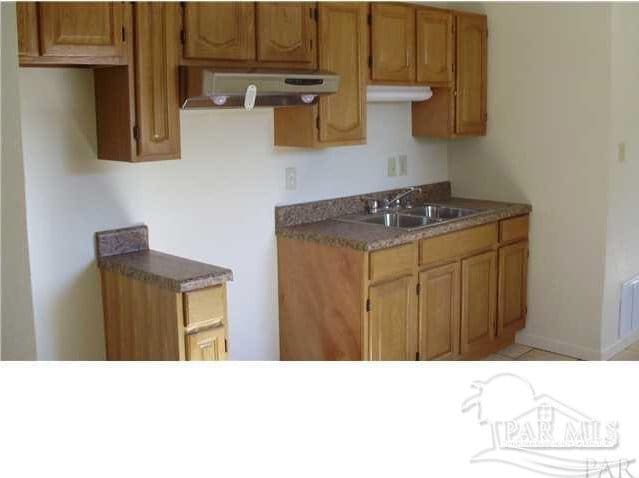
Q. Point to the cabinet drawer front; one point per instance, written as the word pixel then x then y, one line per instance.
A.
pixel 207 345
pixel 205 305
pixel 392 262
pixel 513 229
pixel 457 244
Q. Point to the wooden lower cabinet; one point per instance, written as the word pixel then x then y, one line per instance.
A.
pixel 456 296
pixel 439 312
pixel 392 320
pixel 144 321
pixel 207 345
pixel 478 302
pixel 513 273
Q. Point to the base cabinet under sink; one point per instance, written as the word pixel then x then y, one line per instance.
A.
pixel 460 295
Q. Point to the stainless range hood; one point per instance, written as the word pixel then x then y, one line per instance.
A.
pixel 210 88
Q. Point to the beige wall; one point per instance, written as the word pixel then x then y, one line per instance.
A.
pixel 547 144
pixel 18 341
pixel 214 205
pixel 622 251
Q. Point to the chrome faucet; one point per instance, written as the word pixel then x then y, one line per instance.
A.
pixel 396 201
pixel 374 205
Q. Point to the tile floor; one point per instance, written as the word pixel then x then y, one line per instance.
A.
pixel 523 352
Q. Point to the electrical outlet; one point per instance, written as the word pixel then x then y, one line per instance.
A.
pixel 291 179
pixel 392 166
pixel 403 164
pixel 621 152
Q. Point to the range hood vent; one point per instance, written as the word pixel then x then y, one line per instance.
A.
pixel 397 94
pixel 209 88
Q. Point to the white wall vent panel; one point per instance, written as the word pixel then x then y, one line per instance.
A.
pixel 629 307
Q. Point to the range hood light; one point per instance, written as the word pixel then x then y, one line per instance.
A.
pixel 219 100
pixel 308 99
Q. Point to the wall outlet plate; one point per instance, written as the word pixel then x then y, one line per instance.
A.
pixel 392 166
pixel 403 164
pixel 291 179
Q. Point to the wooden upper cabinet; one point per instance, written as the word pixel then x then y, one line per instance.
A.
pixel 439 313
pixel 435 49
pixel 286 33
pixel 478 303
pixel 393 43
pixel 27 19
pixel 513 271
pixel 82 29
pixel 219 30
pixel 340 118
pixel 156 80
pixel 392 325
pixel 470 109
pixel 343 50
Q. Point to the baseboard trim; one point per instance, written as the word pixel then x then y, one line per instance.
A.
pixel 619 346
pixel 557 346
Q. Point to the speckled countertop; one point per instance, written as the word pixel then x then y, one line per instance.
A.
pixel 126 252
pixel 370 237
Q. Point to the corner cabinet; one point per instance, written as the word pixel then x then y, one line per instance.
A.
pixel 137 108
pixel 338 119
pixel 459 109
pixel 157 129
pixel 461 295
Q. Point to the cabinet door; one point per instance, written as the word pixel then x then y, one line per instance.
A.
pixel 219 31
pixel 156 80
pixel 439 313
pixel 479 294
pixel 207 345
pixel 86 29
pixel 513 271
pixel 393 43
pixel 343 49
pixel 27 19
pixel 434 47
pixel 392 323
pixel 286 32
pixel 471 75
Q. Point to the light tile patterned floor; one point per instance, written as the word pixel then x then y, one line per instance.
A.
pixel 523 352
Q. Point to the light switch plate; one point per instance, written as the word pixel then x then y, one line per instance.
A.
pixel 392 166
pixel 403 165
pixel 291 179
pixel 621 152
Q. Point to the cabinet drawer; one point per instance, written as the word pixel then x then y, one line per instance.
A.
pixel 457 244
pixel 513 229
pixel 392 262
pixel 209 344
pixel 205 305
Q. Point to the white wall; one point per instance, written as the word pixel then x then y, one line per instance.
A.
pixel 215 205
pixel 547 144
pixel 18 341
pixel 622 251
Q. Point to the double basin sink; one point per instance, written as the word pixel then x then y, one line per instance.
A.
pixel 415 217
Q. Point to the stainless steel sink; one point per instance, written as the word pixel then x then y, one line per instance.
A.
pixel 437 212
pixel 414 218
pixel 404 221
